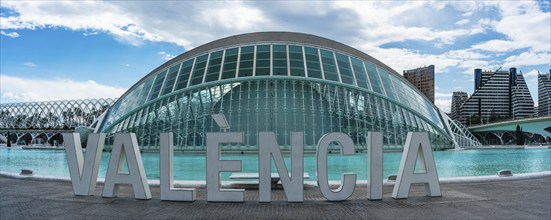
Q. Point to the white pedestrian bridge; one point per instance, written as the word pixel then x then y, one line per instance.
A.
pixel 533 128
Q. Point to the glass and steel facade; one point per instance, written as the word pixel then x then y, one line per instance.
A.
pixel 274 81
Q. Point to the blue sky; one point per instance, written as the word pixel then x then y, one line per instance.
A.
pixel 73 50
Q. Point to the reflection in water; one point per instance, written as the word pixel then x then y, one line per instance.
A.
pixel 192 166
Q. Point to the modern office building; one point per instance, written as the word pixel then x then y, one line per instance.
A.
pixel 458 98
pixel 279 82
pixel 498 95
pixel 544 94
pixel 423 79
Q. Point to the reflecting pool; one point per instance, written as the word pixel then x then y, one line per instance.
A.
pixel 192 166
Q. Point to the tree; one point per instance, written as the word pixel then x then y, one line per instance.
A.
pixel 8 140
pixel 519 136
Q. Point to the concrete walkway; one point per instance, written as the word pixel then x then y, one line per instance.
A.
pixel 512 199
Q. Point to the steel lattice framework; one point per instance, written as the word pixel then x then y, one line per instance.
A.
pixel 462 135
pixel 64 114
pixel 280 82
pixel 28 120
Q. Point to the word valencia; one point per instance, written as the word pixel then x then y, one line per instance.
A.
pixel 84 168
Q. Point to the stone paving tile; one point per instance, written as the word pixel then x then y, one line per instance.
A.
pixel 519 199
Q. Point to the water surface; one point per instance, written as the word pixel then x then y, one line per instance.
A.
pixel 192 166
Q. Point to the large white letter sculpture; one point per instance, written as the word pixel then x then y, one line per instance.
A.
pixel 294 184
pixel 126 146
pixel 406 172
pixel 215 166
pixel 168 192
pixel 348 184
pixel 375 165
pixel 84 172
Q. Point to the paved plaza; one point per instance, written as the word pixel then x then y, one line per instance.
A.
pixel 513 199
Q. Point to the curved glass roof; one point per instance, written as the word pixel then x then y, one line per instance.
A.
pixel 276 55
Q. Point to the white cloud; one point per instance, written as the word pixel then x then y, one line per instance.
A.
pixel 468 66
pixel 528 58
pixel 90 33
pixel 443 101
pixel 243 17
pixel 29 64
pixel 11 34
pixel 532 73
pixel 367 25
pixel 467 14
pixel 52 89
pixel 385 22
pixel 166 56
pixel 403 59
pixel 497 46
pixel 524 24
pixel 531 78
pixel 189 24
pixel 185 23
pixel 443 95
pixel 466 54
pixel 443 104
pixel 467 7
pixel 462 22
pixel 96 16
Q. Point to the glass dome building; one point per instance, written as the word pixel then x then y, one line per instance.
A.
pixel 280 82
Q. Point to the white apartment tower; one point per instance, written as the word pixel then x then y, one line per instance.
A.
pixel 499 94
pixel 458 98
pixel 544 94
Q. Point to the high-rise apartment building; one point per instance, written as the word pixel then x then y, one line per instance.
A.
pixel 523 104
pixel 498 95
pixel 480 77
pixel 458 98
pixel 423 79
pixel 544 94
